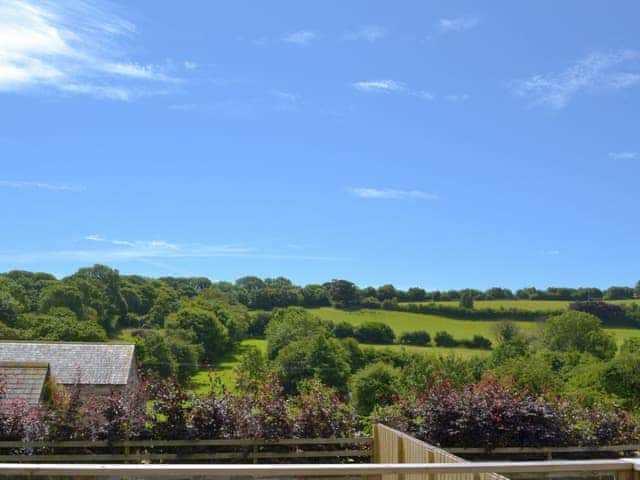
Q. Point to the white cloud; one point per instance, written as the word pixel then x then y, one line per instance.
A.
pixel 592 73
pixel 40 185
pixel 390 193
pixel 147 250
pixel 189 65
pixel 624 155
pixel 457 98
pixel 457 24
pixel 286 96
pixel 370 33
pixel 74 48
pixel 94 237
pixel 301 37
pixel 384 86
pixel 424 95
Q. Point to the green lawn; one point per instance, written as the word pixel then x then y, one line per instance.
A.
pixel 460 352
pixel 225 368
pixel 537 305
pixel 406 322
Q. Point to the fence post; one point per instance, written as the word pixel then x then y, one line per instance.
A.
pixel 255 451
pixel 375 449
pixel 401 456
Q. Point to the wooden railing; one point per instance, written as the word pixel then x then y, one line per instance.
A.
pixel 392 446
pixel 622 469
pixel 180 451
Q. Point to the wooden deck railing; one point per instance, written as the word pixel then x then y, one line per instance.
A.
pixel 182 451
pixel 622 469
pixel 392 446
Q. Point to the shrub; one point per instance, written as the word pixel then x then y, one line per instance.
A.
pixel 445 339
pixel 608 313
pixel 578 331
pixel 318 412
pixel 466 301
pixel 487 414
pixel 376 384
pixel 374 332
pixel 343 330
pixel 258 324
pixel 370 302
pixel 320 356
pixel 289 325
pixel 478 341
pixel 419 337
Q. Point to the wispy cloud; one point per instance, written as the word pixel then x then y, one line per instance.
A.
pixel 624 155
pixel 596 72
pixel 40 186
pixel 370 33
pixel 457 24
pixel 456 97
pixel 394 86
pixel 74 47
pixel 102 249
pixel 551 253
pixel 380 86
pixel 390 194
pixel 301 37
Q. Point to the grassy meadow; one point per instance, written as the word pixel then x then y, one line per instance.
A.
pixel 405 322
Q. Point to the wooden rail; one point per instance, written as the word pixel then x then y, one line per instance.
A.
pixel 625 468
pixel 392 446
pixel 177 451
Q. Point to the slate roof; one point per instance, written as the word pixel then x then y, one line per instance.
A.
pixel 23 380
pixel 75 363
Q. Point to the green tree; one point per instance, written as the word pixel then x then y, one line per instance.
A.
pixel 62 295
pixel 289 325
pixel 466 300
pixel 376 384
pixel 578 331
pixel 343 294
pixel 8 308
pixel 61 324
pixel 618 293
pixel 374 332
pixel 620 377
pixel 206 326
pixel 320 356
pixel 315 296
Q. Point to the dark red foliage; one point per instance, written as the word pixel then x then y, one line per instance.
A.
pixel 493 415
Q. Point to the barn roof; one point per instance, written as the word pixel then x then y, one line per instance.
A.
pixel 75 363
pixel 23 381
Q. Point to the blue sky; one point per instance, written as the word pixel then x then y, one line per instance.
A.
pixel 441 144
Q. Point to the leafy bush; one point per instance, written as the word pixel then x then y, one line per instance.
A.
pixel 258 324
pixel 320 356
pixel 419 337
pixel 445 339
pixel 343 330
pixel 370 302
pixel 608 313
pixel 289 325
pixel 578 331
pixel 374 332
pixel 478 341
pixel 376 384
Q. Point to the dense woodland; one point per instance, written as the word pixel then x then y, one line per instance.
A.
pixel 567 382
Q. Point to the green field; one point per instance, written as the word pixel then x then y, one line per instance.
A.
pixel 407 322
pixel 400 322
pixel 536 305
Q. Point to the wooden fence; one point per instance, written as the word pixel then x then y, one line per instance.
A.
pixel 392 446
pixel 189 451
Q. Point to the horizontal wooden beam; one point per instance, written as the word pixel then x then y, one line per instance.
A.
pixel 315 469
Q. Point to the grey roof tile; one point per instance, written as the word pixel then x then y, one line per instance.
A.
pixel 75 363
